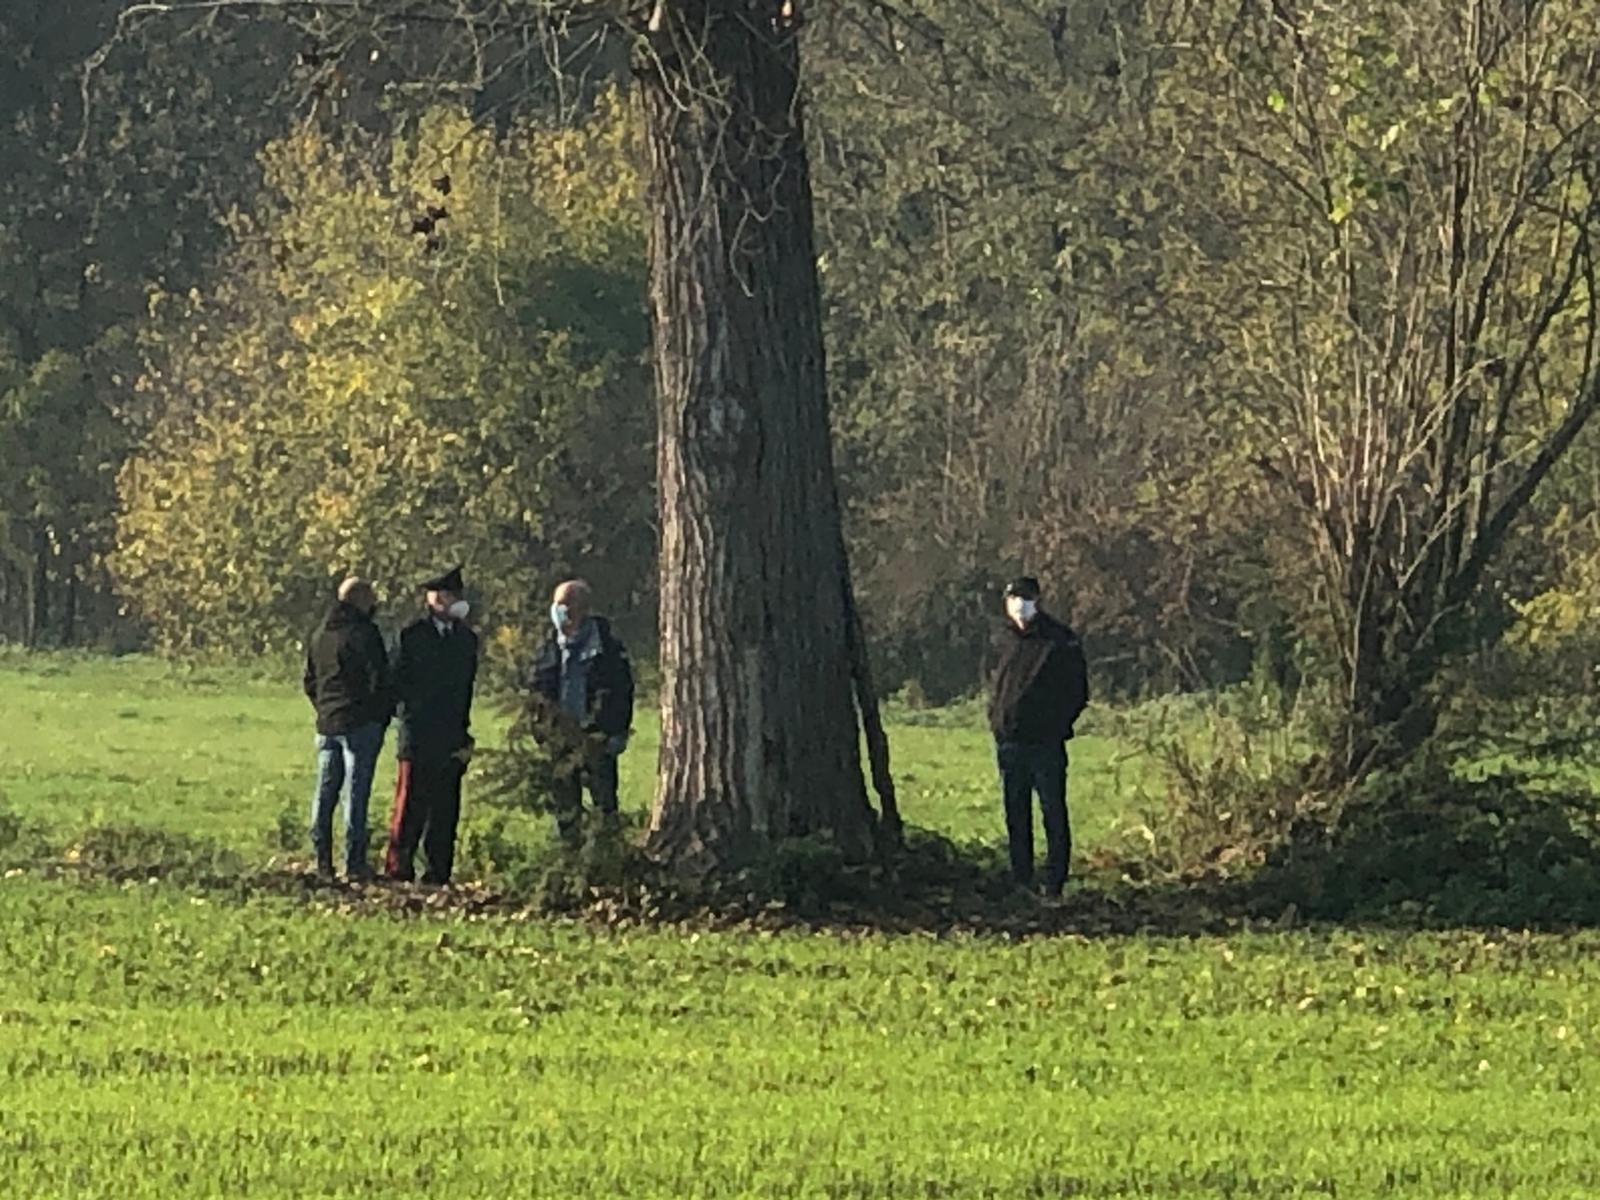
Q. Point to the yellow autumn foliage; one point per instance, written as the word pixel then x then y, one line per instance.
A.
pixel 351 395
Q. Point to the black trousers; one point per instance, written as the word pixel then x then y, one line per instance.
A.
pixel 1024 772
pixel 427 809
pixel 600 777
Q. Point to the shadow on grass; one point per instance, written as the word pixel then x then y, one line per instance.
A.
pixel 1502 849
pixel 929 886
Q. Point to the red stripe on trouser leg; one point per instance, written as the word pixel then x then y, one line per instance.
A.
pixel 402 794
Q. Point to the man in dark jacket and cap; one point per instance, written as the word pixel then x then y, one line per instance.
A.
pixel 436 669
pixel 585 683
pixel 1040 686
pixel 347 682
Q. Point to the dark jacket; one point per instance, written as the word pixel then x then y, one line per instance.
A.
pixel 434 676
pixel 1040 685
pixel 347 672
pixel 610 708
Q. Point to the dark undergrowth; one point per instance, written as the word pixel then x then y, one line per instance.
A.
pixel 1489 855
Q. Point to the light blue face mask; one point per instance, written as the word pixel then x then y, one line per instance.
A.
pixel 559 615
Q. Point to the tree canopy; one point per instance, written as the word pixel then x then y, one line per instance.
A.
pixel 429 351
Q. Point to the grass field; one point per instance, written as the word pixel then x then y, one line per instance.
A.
pixel 161 1040
pixel 222 754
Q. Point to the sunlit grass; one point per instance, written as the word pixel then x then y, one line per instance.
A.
pixel 221 753
pixel 157 1041
pixel 154 1044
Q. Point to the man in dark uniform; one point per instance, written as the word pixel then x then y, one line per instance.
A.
pixel 1040 687
pixel 347 682
pixel 585 682
pixel 436 667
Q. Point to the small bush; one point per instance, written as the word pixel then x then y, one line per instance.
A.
pixel 1234 778
pixel 1503 849
pixel 531 863
pixel 1493 822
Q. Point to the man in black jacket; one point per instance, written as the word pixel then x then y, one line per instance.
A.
pixel 436 669
pixel 347 682
pixel 1041 685
pixel 585 682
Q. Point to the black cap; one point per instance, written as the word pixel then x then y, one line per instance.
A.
pixel 450 581
pixel 1025 587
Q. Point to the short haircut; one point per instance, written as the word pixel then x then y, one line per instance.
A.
pixel 357 591
pixel 575 590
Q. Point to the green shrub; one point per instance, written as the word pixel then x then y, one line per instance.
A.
pixel 1233 771
pixel 1504 849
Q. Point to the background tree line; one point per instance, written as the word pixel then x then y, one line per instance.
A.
pixel 1263 332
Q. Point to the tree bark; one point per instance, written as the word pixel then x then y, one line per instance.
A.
pixel 759 738
pixel 39 589
pixel 69 611
pixel 890 826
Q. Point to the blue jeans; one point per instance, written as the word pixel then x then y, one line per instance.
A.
pixel 1024 772
pixel 345 758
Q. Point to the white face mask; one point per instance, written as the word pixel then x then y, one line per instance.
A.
pixel 1023 610
pixel 458 611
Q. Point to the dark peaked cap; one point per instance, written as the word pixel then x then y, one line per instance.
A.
pixel 450 581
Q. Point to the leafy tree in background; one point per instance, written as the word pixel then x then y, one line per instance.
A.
pixel 1399 264
pixel 385 377
pixel 1014 391
pixel 94 205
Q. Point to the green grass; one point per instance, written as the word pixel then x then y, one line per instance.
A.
pixel 156 1044
pixel 158 1041
pixel 221 754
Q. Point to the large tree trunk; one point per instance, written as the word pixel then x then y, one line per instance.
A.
pixel 759 738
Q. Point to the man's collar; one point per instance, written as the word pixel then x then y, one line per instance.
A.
pixel 585 633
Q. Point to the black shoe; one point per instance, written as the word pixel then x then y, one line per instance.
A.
pixel 325 868
pixel 361 875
